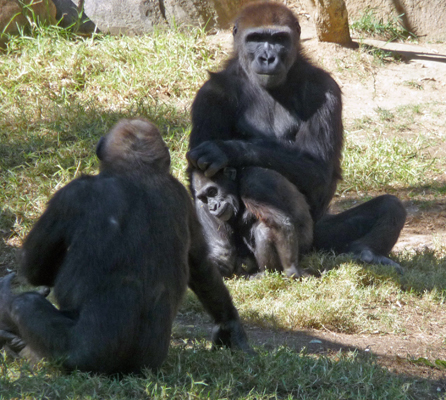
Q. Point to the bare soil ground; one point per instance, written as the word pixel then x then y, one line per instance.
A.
pixel 419 78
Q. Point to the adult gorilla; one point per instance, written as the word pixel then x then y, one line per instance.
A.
pixel 271 108
pixel 119 249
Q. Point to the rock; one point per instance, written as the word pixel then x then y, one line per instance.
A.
pixel 424 18
pixel 331 20
pixel 227 10
pixel 140 16
pixel 125 17
pixel 13 16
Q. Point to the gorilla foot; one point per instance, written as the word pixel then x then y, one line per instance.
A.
pixel 368 257
pixel 13 341
pixel 7 337
pixel 296 273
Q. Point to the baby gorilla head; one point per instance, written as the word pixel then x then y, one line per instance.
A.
pixel 218 193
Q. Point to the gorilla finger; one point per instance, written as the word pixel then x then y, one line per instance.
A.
pixel 14 342
pixel 215 167
pixel 203 164
pixel 191 158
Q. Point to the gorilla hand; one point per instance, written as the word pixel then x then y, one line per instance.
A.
pixel 231 334
pixel 209 156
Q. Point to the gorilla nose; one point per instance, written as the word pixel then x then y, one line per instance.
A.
pixel 267 59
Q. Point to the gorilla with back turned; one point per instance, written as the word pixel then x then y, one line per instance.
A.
pixel 119 249
pixel 271 108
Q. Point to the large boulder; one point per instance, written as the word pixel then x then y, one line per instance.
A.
pixel 425 18
pixel 140 16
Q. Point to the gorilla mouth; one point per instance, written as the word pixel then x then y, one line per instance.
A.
pixel 269 79
pixel 223 213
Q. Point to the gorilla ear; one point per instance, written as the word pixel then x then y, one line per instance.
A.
pixel 297 28
pixel 100 148
pixel 234 30
pixel 230 173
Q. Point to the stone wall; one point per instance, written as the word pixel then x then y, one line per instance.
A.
pixel 425 18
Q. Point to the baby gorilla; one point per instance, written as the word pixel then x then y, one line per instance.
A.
pixel 270 228
pixel 119 249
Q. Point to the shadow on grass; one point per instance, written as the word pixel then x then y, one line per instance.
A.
pixel 64 125
pixel 193 371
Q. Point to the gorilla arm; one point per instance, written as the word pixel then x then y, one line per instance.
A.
pixel 309 162
pixel 46 245
pixel 208 285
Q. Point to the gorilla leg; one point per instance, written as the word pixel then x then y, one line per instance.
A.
pixel 44 328
pixel 101 338
pixel 284 228
pixel 276 249
pixel 369 231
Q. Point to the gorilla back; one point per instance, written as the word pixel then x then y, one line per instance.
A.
pixel 119 249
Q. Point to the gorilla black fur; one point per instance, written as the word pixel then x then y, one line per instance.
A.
pixel 271 108
pixel 119 249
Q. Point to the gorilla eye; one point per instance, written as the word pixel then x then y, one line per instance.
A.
pixel 212 192
pixel 281 38
pixel 256 37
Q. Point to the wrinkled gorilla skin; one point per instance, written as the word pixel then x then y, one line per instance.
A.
pixel 270 231
pixel 119 250
pixel 271 108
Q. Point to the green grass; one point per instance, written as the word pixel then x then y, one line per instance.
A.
pixel 60 93
pixel 392 150
pixel 194 372
pixel 369 24
pixel 347 298
pixel 59 96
